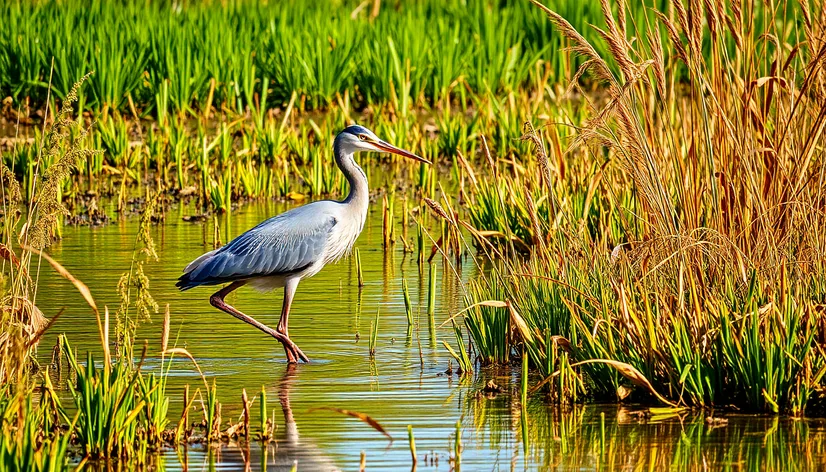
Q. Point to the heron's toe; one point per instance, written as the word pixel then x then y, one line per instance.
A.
pixel 292 358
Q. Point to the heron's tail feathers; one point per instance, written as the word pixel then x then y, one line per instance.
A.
pixel 185 281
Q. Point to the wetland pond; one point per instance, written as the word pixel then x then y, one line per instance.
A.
pixel 405 384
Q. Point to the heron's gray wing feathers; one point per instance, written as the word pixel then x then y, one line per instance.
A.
pixel 283 244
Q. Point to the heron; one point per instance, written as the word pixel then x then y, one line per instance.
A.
pixel 294 245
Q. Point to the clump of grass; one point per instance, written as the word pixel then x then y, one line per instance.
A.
pixel 488 323
pixel 27 443
pixel 211 408
pixel 680 285
pixel 108 406
pixel 462 357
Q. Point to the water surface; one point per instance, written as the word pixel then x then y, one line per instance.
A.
pixel 405 384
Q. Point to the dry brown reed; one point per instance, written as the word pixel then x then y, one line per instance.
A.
pixel 736 171
pixel 64 147
pixel 701 148
pixel 21 321
pixel 438 209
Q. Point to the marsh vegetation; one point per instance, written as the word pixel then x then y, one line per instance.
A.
pixel 626 207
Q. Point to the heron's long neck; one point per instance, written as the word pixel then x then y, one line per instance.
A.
pixel 359 196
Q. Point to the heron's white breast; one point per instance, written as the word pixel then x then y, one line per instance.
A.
pixel 344 236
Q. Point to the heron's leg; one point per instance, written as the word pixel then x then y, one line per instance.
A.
pixel 283 324
pixel 217 300
pixel 289 292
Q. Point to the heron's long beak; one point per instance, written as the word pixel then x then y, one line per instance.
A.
pixel 387 147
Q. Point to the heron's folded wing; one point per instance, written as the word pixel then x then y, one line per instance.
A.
pixel 280 245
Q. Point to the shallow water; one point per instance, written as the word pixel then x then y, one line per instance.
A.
pixel 404 385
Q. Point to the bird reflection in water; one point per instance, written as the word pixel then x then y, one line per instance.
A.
pixel 285 451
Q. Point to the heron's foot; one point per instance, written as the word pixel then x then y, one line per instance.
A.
pixel 292 359
pixel 293 352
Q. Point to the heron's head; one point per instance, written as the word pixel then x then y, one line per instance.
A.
pixel 357 138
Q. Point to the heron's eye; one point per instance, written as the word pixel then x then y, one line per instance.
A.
pixel 363 137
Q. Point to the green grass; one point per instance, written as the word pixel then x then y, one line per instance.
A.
pixel 181 61
pixel 107 401
pixel 30 441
